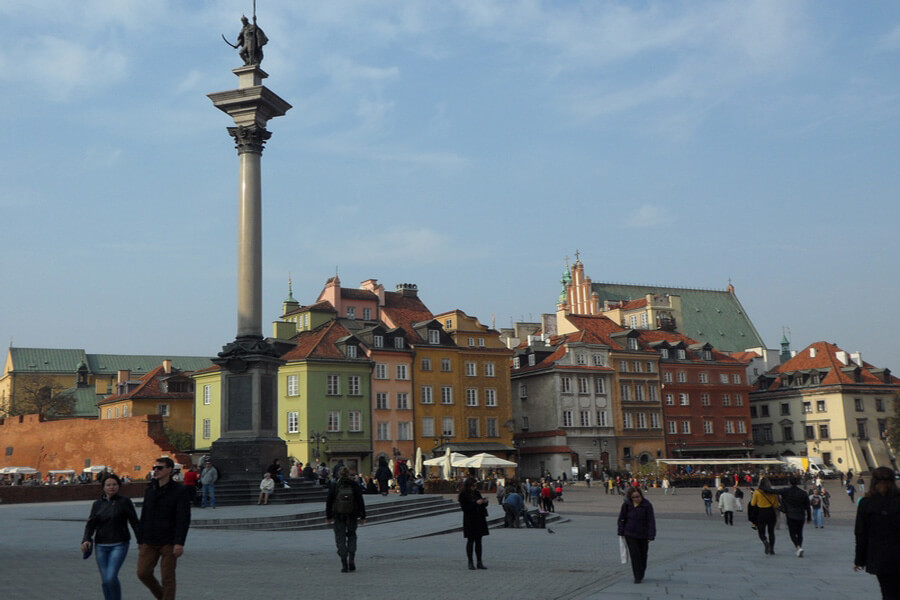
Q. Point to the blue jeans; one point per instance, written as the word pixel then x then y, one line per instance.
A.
pixel 209 492
pixel 817 517
pixel 708 504
pixel 109 560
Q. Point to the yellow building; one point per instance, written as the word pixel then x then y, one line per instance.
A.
pixel 164 391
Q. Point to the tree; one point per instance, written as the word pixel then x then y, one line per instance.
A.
pixel 893 425
pixel 40 394
pixel 180 440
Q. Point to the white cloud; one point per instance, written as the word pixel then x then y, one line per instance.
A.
pixel 649 215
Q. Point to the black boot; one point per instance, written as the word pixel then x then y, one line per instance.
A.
pixel 351 564
pixel 480 565
pixel 471 565
pixel 344 567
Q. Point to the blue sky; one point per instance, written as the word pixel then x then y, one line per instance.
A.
pixel 467 147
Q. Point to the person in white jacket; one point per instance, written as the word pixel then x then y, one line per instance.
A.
pixel 266 487
pixel 727 505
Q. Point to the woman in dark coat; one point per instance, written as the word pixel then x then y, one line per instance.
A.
pixel 383 474
pixel 106 534
pixel 475 525
pixel 878 532
pixel 638 526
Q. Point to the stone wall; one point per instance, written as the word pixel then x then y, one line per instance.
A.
pixel 128 445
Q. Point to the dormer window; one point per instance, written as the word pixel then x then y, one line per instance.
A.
pixel 681 354
pixel 632 343
pixel 434 337
pixel 351 312
pixel 378 341
pixel 531 360
pixel 398 343
pixel 448 323
pixel 351 351
pixel 664 352
pixel 516 363
pixel 707 355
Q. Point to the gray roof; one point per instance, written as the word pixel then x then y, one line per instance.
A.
pixel 714 316
pixel 56 360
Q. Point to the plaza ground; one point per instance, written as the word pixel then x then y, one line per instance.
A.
pixel 693 557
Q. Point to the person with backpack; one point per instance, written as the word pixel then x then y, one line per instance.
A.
pixel 345 508
pixel 818 506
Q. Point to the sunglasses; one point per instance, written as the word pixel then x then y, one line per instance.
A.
pixel 159 467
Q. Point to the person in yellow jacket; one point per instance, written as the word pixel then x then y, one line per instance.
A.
pixel 763 505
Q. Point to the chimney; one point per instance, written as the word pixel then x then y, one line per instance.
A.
pixel 812 352
pixel 408 290
pixel 857 358
pixel 167 366
pixel 841 356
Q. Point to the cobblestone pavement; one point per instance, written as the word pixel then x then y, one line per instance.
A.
pixel 694 557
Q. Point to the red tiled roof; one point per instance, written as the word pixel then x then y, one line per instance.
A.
pixel 324 306
pixel 356 294
pixel 596 330
pixel 149 387
pixel 403 311
pixel 318 343
pixel 745 357
pixel 826 358
pixel 674 337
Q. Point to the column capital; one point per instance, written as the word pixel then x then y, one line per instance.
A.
pixel 249 138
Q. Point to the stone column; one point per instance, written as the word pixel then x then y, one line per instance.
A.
pixel 249 420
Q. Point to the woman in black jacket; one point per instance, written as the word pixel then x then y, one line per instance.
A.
pixel 878 532
pixel 638 526
pixel 475 525
pixel 107 526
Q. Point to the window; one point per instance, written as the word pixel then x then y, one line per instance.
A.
pixel 707 355
pixel 162 410
pixel 682 377
pixel 207 393
pixel 820 406
pixel 644 321
pixel 516 363
pixel 580 359
pixel 293 387
pixel 117 412
pixel 472 427
pixel 426 393
pixel 670 399
pixel 642 421
pixel 704 377
pixel 879 404
pixel 654 420
pixel 585 418
pixel 524 424
pixel 382 431
pixel 471 369
pixel 729 426
pixel 652 396
pixel 626 392
pixel 785 409
pixel 809 432
pixel 639 393
pixel 742 427
pixel 207 428
pixel 858 404
pixel 428 426
pixel 787 433
pixel 565 385
pixel 764 410
pixel 446 394
pixel 293 422
pixel 567 418
pixel 426 364
pixel 599 388
pixel 448 324
pixel 707 426
pixel 434 337
pixel 632 343
pixel 602 419
pixel 684 399
pixel 667 377
pixel 726 399
pixel 672 427
pixel 664 352
pixel 353 385
pixel 471 341
pixel 398 343
pixel 685 426
pixel 723 377
pixel 334 420
pixel 636 366
pixel 807 407
pixel 623 366
pixel 862 429
pixel 355 420
pixel 523 390
pixel 381 401
pixel 736 379
pixel 447 425
pixel 584 385
pixel 492 426
pixel 445 365
pixel 681 354
pixel 351 312
pixel 489 369
pixel 823 431
pixel 531 360
pixel 334 385
pixel 704 399
pixel 125 411
pixel 402 372
pixel 367 314
pixel 381 371
pixel 490 397
pixel 471 397
pixel 351 351
pixel 738 400
pixel 598 360
pixel 402 401
pixel 632 321
pixel 628 421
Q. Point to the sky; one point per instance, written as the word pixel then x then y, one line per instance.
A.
pixel 466 147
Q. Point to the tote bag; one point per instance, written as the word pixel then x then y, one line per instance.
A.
pixel 623 550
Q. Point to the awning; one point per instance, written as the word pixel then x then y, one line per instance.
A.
pixel 474 447
pixel 348 449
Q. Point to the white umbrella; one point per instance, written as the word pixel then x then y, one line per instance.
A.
pixel 418 461
pixel 19 470
pixel 480 461
pixel 455 458
pixel 448 465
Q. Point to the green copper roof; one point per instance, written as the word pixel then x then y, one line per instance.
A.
pixel 55 360
pixel 48 360
pixel 85 402
pixel 710 316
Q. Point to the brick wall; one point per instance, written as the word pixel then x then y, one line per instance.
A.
pixel 128 445
pixel 63 493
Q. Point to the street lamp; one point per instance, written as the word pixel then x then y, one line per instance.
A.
pixel 439 443
pixel 318 438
